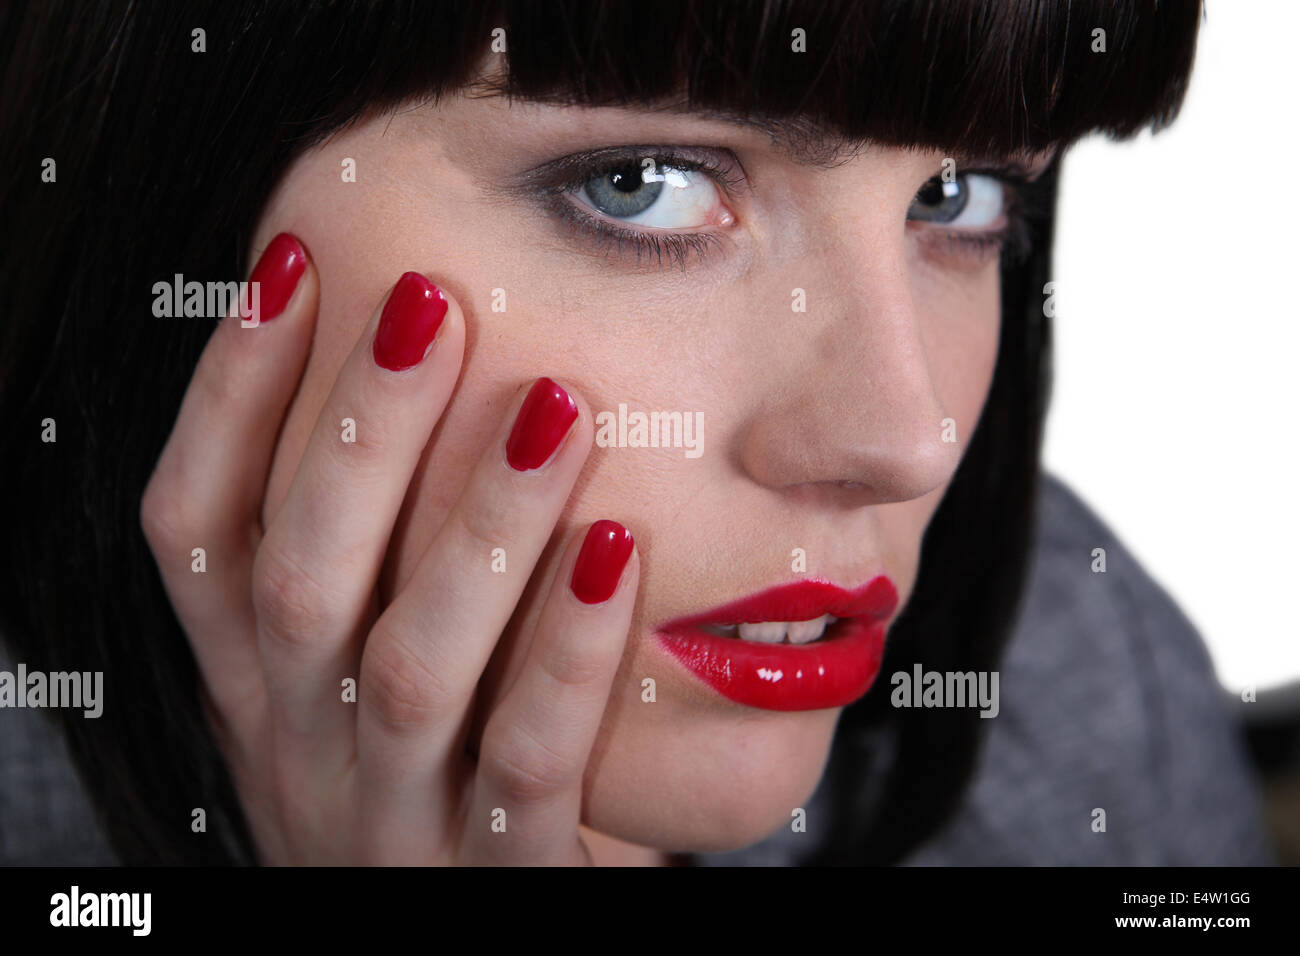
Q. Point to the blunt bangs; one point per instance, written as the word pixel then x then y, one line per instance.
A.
pixel 959 75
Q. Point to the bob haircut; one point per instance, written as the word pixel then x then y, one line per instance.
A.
pixel 166 156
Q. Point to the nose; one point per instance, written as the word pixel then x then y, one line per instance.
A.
pixel 849 402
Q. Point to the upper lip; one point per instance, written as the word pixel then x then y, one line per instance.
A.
pixel 800 601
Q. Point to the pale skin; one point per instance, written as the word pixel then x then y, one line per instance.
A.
pixel 371 560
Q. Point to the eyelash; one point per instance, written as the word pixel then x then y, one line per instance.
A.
pixel 566 176
pixel 559 180
pixel 678 246
pixel 1014 240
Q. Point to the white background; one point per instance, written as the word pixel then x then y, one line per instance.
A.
pixel 1177 339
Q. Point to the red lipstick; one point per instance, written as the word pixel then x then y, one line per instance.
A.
pixel 833 671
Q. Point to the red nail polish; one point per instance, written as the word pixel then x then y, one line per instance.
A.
pixel 412 315
pixel 277 274
pixel 543 421
pixel 600 563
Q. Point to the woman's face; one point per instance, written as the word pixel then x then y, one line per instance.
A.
pixel 821 338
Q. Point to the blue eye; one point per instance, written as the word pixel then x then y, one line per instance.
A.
pixel 646 193
pixel 972 201
pixel 622 193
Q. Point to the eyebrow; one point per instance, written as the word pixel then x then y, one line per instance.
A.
pixel 803 141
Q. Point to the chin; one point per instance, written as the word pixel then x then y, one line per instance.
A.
pixel 704 782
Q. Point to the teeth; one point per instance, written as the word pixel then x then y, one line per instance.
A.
pixel 801 632
pixel 792 632
pixel 767 632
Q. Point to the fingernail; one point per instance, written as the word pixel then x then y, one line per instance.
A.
pixel 412 315
pixel 601 561
pixel 277 274
pixel 543 421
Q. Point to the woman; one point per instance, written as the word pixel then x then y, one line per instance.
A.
pixel 619 378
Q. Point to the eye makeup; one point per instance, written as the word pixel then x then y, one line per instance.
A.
pixel 557 185
pixel 1010 239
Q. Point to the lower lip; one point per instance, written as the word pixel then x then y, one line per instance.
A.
pixel 824 674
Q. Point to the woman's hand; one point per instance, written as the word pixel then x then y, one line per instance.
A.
pixel 282 618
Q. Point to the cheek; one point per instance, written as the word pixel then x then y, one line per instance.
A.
pixel 361 237
pixel 641 489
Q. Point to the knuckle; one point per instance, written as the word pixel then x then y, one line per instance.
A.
pixel 524 770
pixel 225 382
pixel 168 526
pixel 291 607
pixel 400 690
pixel 487 521
pixel 365 453
pixel 572 668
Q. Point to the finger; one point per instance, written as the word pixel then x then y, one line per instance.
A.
pixel 528 789
pixel 427 652
pixel 207 488
pixel 315 573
